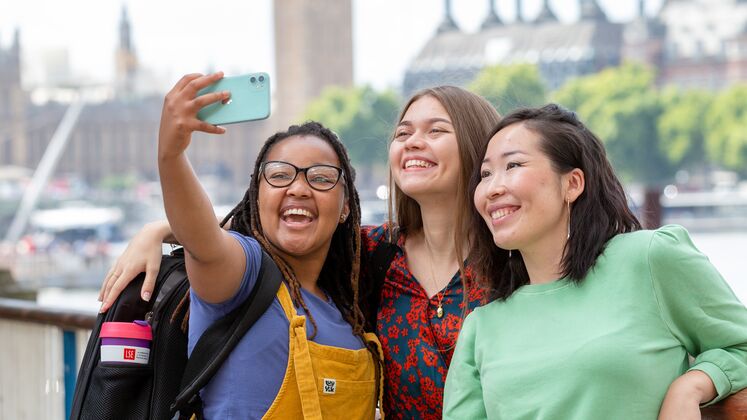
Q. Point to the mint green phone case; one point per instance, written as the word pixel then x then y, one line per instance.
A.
pixel 250 99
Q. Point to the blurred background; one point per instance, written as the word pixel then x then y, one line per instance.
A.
pixel 662 82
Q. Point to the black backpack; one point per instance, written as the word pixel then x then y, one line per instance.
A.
pixel 169 384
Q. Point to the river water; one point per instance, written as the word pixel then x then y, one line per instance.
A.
pixel 726 250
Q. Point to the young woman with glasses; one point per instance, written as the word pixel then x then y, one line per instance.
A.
pixel 301 208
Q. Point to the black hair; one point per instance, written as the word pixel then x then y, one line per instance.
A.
pixel 600 212
pixel 339 277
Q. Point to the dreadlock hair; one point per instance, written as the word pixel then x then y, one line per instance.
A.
pixel 340 272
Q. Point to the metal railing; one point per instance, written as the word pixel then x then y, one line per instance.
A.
pixel 42 349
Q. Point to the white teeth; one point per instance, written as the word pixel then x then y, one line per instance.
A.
pixel 502 212
pixel 300 212
pixel 417 163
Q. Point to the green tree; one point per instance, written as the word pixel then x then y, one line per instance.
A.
pixel 621 106
pixel 510 87
pixel 681 129
pixel 362 117
pixel 726 134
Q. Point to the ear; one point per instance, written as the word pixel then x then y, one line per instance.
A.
pixel 345 212
pixel 575 182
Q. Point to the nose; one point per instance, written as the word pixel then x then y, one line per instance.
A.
pixel 415 141
pixel 299 187
pixel 495 188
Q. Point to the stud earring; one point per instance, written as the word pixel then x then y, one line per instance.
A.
pixel 342 218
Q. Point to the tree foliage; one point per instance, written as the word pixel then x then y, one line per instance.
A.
pixel 362 117
pixel 510 87
pixel 681 126
pixel 726 129
pixel 621 106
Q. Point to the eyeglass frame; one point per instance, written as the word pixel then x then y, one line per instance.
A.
pixel 340 174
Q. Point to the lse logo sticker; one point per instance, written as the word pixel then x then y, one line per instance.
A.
pixel 129 354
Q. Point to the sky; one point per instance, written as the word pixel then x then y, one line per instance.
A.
pixel 173 37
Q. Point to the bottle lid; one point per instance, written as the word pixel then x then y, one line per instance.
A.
pixel 126 330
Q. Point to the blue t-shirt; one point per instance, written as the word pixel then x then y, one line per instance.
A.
pixel 250 378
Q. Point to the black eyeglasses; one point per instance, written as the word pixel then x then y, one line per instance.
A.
pixel 319 177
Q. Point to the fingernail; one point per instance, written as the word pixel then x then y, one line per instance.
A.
pixel 146 296
pixel 101 309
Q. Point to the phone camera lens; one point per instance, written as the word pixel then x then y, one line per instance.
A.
pixel 261 78
pixel 253 79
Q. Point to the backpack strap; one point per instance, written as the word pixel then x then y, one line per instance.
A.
pixel 378 264
pixel 217 342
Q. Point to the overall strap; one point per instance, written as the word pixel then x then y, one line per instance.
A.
pixel 286 302
pixel 305 377
pixel 304 371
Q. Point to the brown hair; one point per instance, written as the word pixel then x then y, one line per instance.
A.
pixel 598 214
pixel 473 118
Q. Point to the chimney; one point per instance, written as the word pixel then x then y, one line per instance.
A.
pixel 448 23
pixel 491 20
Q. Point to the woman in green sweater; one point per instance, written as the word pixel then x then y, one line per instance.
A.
pixel 591 317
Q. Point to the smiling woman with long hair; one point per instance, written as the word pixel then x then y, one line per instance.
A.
pixel 591 316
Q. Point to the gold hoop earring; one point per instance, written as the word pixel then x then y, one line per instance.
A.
pixel 568 206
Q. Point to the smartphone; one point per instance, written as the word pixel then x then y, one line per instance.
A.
pixel 249 101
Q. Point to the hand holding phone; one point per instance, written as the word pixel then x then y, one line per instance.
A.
pixel 249 100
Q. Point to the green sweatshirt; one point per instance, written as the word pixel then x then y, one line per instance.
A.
pixel 607 348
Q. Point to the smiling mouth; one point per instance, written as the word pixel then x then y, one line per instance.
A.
pixel 502 212
pixel 417 163
pixel 297 216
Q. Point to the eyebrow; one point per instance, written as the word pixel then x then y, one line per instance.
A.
pixel 430 120
pixel 507 154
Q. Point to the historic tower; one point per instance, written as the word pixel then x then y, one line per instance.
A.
pixel 313 50
pixel 13 103
pixel 125 60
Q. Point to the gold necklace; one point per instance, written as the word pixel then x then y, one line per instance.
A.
pixel 439 294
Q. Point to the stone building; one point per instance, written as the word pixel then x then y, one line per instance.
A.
pixel 560 50
pixel 692 43
pixel 118 136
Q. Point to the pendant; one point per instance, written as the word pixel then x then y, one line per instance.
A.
pixel 440 311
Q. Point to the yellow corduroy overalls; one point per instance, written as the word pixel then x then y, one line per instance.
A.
pixel 324 382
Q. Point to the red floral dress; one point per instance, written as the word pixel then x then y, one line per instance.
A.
pixel 417 344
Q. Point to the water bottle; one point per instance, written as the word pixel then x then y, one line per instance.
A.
pixel 125 342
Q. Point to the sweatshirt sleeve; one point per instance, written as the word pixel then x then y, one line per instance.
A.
pixel 700 309
pixel 463 392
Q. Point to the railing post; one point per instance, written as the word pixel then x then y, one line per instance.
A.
pixel 70 368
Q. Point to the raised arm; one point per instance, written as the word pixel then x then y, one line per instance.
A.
pixel 215 260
